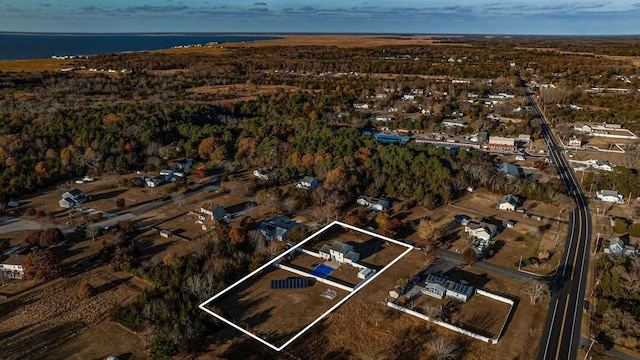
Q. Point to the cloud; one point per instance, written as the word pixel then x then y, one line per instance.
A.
pixel 260 4
pixel 306 9
pixel 156 9
pixel 44 5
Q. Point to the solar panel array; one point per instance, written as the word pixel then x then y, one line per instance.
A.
pixel 290 283
pixel 460 288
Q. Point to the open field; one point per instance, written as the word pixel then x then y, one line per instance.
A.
pixel 35 65
pixel 52 313
pixel 267 314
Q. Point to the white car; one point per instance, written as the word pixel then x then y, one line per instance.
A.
pixel 13 204
pixel 79 181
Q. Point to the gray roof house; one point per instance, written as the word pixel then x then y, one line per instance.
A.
pixel 373 203
pixel 278 228
pixel 435 285
pixel 509 170
pixel 71 198
pixel 213 210
pixel 618 247
pixel 339 252
pixel 508 203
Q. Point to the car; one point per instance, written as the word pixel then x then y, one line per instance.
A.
pixel 539 218
pixel 13 204
pixel 79 181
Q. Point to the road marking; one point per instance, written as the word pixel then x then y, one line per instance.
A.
pixel 575 313
pixel 566 258
pixel 564 318
pixel 575 258
pixel 546 348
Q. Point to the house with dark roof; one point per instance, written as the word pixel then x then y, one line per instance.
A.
pixel 481 230
pixel 214 211
pixel 278 228
pixel 71 198
pixel 439 287
pixel 339 252
pixel 308 182
pixel 508 203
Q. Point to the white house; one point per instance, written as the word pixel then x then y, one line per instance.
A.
pixel 155 181
pixel 618 247
pixel 609 196
pixel 481 230
pixel 214 211
pixel 603 165
pixel 575 142
pixel 75 194
pixel 508 203
pixel 373 203
pixel 339 252
pixel 438 287
pixel 435 290
pixel 263 174
pixel 71 198
pixel 11 267
pixel 584 129
pixel 308 182
pixel 408 97
pixel 67 203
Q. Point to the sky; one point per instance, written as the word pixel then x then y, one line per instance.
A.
pixel 543 17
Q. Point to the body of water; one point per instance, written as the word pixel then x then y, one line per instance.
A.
pixel 36 46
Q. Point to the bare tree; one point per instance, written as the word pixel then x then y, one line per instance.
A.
pixel 536 290
pixel 92 231
pixel 443 348
pixel 178 197
pixel 290 205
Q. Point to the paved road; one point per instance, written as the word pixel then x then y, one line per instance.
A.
pixel 561 335
pixel 504 271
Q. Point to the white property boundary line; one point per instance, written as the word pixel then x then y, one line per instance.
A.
pixel 276 348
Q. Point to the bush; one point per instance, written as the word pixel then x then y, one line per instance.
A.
pixel 634 230
pixel 120 203
pixel 619 226
pixel 86 290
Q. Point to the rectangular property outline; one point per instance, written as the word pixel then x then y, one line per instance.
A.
pixel 269 263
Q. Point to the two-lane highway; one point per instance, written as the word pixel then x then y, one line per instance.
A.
pixel 561 335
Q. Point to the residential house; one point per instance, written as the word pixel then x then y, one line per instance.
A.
pixel 339 252
pixel 453 123
pixel 76 195
pixel 583 129
pixel 575 142
pixel 408 97
pixel 617 247
pixel 214 211
pixel 71 198
pixel 524 137
pixel 373 203
pixel 481 230
pixel 436 284
pixel 308 182
pixel 12 268
pixel 508 203
pixel 183 165
pixel 155 181
pixel 459 291
pixel 263 174
pixel 603 165
pixel 612 125
pixel 278 228
pixel 609 196
pixel 510 170
pixel 67 203
pixel 385 118
pixel 435 290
